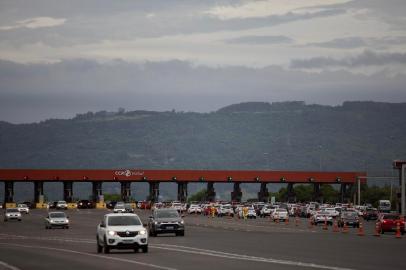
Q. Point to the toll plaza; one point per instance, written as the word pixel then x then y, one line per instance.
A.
pixel 346 181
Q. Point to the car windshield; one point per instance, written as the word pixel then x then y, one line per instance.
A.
pixel 12 210
pixel 127 205
pixel 22 205
pixel 57 215
pixel 350 214
pixel 123 220
pixel 391 217
pixel 119 206
pixel 62 202
pixel 167 214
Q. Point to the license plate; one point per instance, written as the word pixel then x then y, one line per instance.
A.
pixel 169 228
pixel 127 241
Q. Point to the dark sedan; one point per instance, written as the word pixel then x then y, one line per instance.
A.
pixel 166 220
pixel 349 218
pixel 371 214
pixel 85 204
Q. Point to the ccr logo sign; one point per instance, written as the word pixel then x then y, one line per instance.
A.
pixel 128 173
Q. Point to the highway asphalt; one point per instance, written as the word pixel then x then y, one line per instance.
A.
pixel 209 243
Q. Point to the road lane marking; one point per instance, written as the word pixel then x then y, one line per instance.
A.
pixel 90 255
pixel 199 251
pixel 193 250
pixel 8 266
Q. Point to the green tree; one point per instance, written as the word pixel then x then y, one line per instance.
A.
pixel 112 197
pixel 303 193
pixel 198 196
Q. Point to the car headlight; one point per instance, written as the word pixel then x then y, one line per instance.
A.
pixel 111 233
pixel 52 221
pixel 156 222
pixel 182 222
pixel 142 232
pixel 67 220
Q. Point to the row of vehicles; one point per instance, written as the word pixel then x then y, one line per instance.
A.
pixel 126 231
pixel 16 213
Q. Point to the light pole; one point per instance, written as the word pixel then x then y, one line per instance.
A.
pixel 320 152
pixel 266 155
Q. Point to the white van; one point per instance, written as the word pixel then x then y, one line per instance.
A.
pixel 384 206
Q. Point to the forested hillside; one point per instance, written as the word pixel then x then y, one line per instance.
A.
pixel 279 136
pixel 255 135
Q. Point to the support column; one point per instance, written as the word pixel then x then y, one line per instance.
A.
pixel 182 191
pixel 236 194
pixel 211 193
pixel 263 194
pixel 8 191
pixel 126 191
pixel 39 192
pixel 402 190
pixel 68 191
pixel 153 192
pixel 317 196
pixel 343 192
pixel 97 194
pixel 291 196
pixel 359 191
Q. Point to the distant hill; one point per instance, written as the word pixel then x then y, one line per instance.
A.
pixel 255 135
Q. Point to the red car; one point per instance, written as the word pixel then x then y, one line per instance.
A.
pixel 388 223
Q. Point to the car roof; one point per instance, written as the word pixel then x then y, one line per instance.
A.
pixel 165 209
pixel 120 214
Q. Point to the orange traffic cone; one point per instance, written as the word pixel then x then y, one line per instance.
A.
pixel 287 221
pixel 360 229
pixel 345 228
pixel 335 226
pixel 398 230
pixel 325 224
pixel 377 229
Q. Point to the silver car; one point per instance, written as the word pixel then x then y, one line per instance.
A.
pixel 12 213
pixel 57 219
pixel 23 208
pixel 119 208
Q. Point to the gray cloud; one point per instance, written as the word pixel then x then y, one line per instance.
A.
pixel 359 42
pixel 391 11
pixel 342 43
pixel 34 92
pixel 260 40
pixel 95 20
pixel 367 58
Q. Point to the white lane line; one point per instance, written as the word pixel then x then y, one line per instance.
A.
pixel 199 251
pixel 192 250
pixel 90 255
pixel 8 266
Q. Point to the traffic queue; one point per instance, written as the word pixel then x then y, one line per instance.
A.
pixel 339 215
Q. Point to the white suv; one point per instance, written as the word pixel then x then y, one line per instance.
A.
pixel 121 231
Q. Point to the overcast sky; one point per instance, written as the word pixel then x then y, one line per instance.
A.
pixel 60 58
